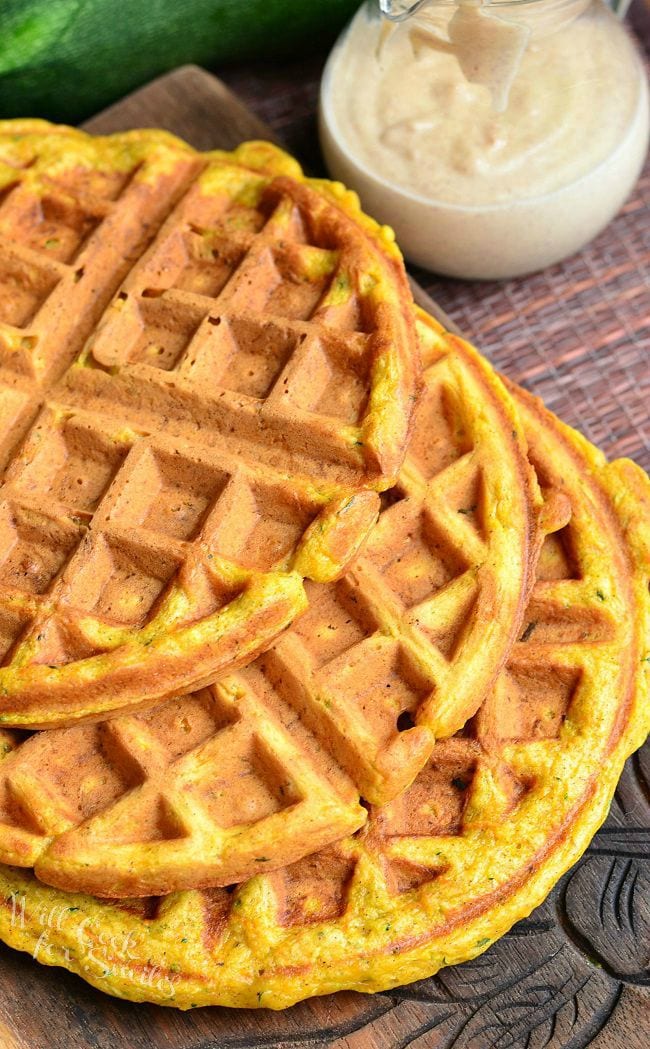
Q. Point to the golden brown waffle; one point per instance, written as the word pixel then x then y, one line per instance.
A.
pixel 207 365
pixel 494 819
pixel 269 765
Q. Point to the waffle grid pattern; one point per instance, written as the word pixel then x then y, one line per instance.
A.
pixel 383 661
pixel 182 783
pixel 267 316
pixel 68 234
pixel 266 319
pixel 488 815
pixel 501 763
pixel 379 654
pixel 395 653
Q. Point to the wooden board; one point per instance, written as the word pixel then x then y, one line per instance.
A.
pixel 574 974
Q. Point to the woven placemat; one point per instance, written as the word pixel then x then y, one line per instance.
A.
pixel 577 334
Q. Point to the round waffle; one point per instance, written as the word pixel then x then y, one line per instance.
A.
pixel 208 369
pixel 497 815
pixel 270 764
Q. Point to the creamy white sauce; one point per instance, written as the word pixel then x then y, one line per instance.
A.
pixel 487 47
pixel 410 120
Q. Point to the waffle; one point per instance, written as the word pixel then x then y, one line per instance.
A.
pixel 208 369
pixel 270 764
pixel 492 821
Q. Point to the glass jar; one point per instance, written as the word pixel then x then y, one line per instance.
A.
pixel 496 138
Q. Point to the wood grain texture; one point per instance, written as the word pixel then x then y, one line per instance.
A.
pixel 191 104
pixel 574 974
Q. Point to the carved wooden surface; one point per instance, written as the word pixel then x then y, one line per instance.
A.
pixel 574 974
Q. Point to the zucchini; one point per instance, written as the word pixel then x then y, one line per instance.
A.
pixel 66 59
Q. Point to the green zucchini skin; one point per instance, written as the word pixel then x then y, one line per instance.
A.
pixel 66 59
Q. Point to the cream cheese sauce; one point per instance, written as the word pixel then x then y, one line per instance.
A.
pixel 411 114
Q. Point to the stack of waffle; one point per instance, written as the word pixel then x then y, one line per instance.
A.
pixel 321 645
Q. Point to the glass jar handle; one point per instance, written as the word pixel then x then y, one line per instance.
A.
pixel 398 10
